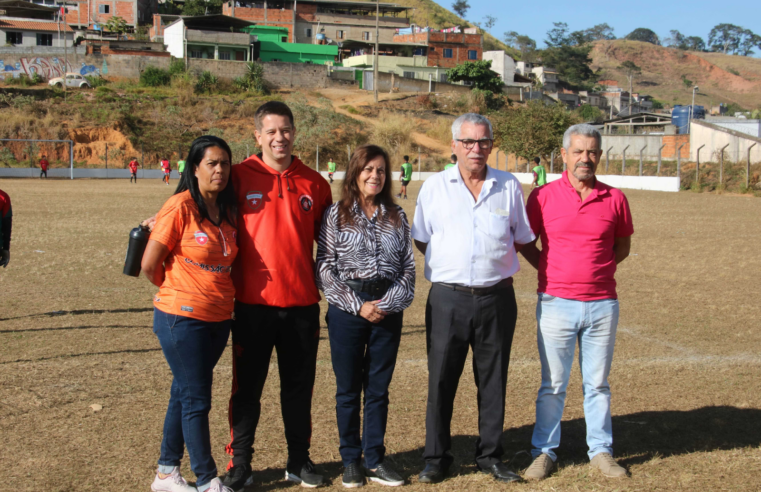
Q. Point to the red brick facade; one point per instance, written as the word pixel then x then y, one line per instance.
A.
pixel 129 10
pixel 464 47
pixel 275 17
pixel 672 142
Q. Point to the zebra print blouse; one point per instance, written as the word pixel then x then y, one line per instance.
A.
pixel 367 249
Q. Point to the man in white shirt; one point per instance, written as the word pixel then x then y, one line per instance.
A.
pixel 470 221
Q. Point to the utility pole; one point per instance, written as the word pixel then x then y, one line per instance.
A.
pixel 375 63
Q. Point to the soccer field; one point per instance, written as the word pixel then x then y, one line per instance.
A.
pixel 74 331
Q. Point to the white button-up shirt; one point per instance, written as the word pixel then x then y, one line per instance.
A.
pixel 471 242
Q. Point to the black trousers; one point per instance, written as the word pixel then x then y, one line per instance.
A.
pixel 295 333
pixel 454 322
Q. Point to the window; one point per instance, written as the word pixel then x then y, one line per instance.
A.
pixel 195 54
pixel 44 39
pixel 447 52
pixel 308 32
pixel 104 9
pixel 409 75
pixel 442 77
pixel 13 38
pixel 339 34
pixel 284 39
pixel 366 36
pixel 472 55
pixel 224 55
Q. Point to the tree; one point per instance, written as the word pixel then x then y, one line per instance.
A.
pixel 725 38
pixel 572 63
pixel 601 32
pixel 748 41
pixel 682 42
pixel 531 130
pixel 589 113
pixel 631 70
pixel 676 40
pixel 522 43
pixel 645 35
pixel 694 43
pixel 116 25
pixel 479 73
pixel 202 7
pixel 461 7
pixel 489 22
pixel 558 36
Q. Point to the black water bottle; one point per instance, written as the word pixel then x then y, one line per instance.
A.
pixel 138 239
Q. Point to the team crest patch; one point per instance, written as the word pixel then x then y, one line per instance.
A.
pixel 305 201
pixel 254 199
pixel 201 238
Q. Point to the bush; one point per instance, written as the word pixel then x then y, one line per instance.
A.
pixel 253 80
pixel 177 67
pixel 206 82
pixel 427 101
pixel 155 77
pixel 24 81
pixel 96 80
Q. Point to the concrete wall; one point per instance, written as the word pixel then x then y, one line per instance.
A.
pixel 402 84
pixel 714 137
pixel 650 183
pixel 15 64
pixel 29 38
pixel 34 172
pixel 751 127
pixel 502 64
pixel 635 143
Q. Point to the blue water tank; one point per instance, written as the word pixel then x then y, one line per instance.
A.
pixel 319 36
pixel 680 117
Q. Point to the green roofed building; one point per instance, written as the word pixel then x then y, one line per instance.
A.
pixel 273 45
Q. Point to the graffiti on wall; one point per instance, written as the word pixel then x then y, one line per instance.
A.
pixel 46 67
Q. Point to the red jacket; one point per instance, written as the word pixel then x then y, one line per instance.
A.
pixel 279 217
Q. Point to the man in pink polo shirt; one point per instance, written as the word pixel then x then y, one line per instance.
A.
pixel 585 227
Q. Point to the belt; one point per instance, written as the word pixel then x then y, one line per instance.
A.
pixel 376 287
pixel 480 291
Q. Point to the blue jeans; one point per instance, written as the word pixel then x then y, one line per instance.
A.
pixel 192 349
pixel 364 356
pixel 560 323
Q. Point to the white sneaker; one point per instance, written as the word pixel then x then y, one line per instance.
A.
pixel 216 486
pixel 171 483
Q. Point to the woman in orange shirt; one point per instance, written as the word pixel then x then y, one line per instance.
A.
pixel 189 257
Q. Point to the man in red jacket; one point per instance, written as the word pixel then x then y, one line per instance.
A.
pixel 280 206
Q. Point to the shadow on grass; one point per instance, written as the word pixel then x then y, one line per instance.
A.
pixel 66 328
pixel 82 311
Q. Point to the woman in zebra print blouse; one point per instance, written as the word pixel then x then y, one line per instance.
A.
pixel 366 269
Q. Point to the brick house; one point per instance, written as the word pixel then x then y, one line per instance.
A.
pixel 25 24
pixel 446 49
pixel 85 14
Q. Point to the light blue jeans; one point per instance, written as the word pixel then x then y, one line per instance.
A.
pixel 560 322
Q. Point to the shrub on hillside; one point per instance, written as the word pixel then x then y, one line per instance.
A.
pixel 206 82
pixel 177 67
pixel 96 80
pixel 155 77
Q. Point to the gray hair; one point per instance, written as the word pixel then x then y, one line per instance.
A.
pixel 581 129
pixel 473 119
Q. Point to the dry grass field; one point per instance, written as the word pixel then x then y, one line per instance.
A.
pixel 74 332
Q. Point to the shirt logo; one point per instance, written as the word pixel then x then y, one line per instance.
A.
pixel 186 308
pixel 254 199
pixel 201 238
pixel 306 203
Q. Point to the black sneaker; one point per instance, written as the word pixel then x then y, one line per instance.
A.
pixel 305 475
pixel 353 476
pixel 385 475
pixel 238 477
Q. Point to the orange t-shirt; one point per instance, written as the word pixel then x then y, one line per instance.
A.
pixel 197 281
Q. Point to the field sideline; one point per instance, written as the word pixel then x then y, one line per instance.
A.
pixel 74 331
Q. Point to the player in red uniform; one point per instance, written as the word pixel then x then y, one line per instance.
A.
pixel 167 169
pixel 6 223
pixel 133 170
pixel 44 166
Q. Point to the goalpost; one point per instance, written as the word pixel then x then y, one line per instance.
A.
pixel 70 142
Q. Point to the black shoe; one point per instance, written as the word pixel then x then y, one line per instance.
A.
pixel 304 475
pixel 432 473
pixel 501 473
pixel 238 477
pixel 385 475
pixel 353 476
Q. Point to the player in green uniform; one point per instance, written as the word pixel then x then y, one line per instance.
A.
pixel 452 162
pixel 331 169
pixel 540 175
pixel 406 176
pixel 180 166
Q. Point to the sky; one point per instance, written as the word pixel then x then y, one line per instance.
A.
pixel 693 18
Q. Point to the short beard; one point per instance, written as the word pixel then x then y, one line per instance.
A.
pixel 591 176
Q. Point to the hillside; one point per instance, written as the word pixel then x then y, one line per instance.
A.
pixel 721 78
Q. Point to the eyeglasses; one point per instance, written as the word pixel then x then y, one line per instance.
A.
pixel 468 143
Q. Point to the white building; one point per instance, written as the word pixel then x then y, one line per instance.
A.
pixel 503 64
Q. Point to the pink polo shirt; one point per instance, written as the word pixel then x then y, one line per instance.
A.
pixel 577 260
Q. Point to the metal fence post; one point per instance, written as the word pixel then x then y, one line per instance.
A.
pixel 348 151
pixel 747 168
pixel 658 173
pixel 496 166
pixel 697 164
pixel 142 156
pixel 640 159
pixel 317 160
pixel 623 163
pixel 679 160
pixel 552 162
pixel 106 159
pixel 721 165
pixel 607 158
pixel 71 157
pixel 419 163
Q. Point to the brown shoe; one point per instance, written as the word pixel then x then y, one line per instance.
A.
pixel 608 466
pixel 540 468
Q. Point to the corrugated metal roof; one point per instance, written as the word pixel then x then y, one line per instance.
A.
pixel 34 25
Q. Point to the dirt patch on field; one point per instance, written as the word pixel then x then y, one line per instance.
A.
pixel 90 146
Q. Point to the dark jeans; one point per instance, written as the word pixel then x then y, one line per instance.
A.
pixel 364 356
pixel 456 321
pixel 295 333
pixel 133 176
pixel 192 349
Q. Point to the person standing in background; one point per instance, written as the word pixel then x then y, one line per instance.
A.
pixel 540 175
pixel 180 167
pixel 406 176
pixel 6 224
pixel 331 169
pixel 44 164
pixel 167 168
pixel 452 162
pixel 133 170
